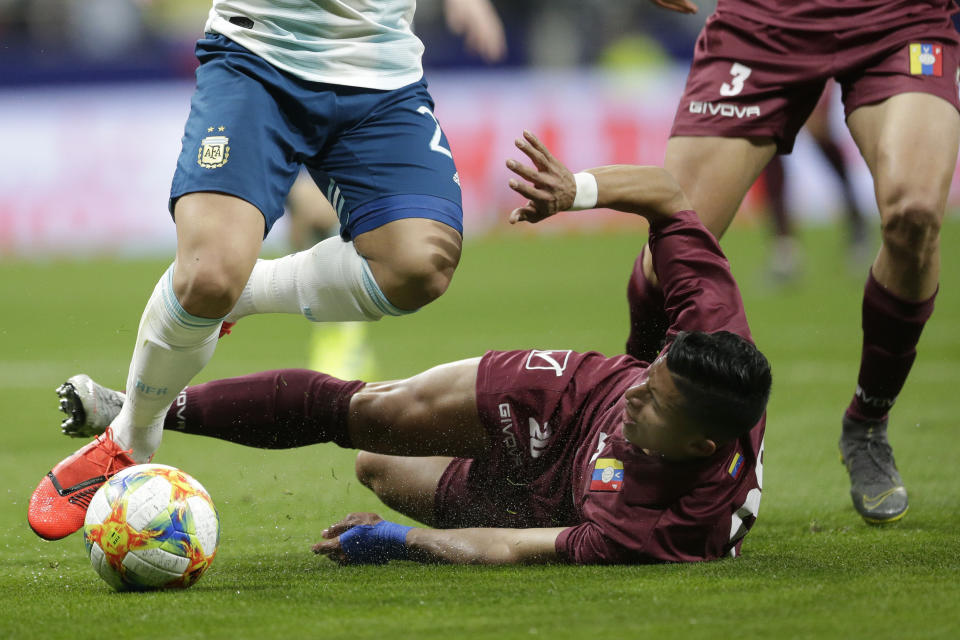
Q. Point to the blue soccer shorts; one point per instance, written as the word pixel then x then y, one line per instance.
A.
pixel 379 156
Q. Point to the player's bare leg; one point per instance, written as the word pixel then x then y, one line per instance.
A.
pixel 393 269
pixel 910 144
pixel 715 173
pixel 412 259
pixel 429 414
pixel 433 413
pixel 405 484
pixel 414 425
pixel 218 238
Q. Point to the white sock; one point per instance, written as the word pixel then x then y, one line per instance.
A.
pixel 172 347
pixel 330 282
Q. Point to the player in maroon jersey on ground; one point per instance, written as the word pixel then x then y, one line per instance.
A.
pixel 758 70
pixel 543 455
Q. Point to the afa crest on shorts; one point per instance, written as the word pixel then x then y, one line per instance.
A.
pixel 214 150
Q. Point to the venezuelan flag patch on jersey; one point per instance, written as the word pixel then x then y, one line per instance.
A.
pixel 607 475
pixel 735 465
pixel 926 59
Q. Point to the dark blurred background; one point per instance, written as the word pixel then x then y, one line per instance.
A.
pixel 68 41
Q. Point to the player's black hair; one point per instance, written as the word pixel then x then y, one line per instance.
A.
pixel 724 379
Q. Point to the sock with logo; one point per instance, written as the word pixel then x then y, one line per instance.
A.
pixel 271 410
pixel 172 347
pixel 648 321
pixel 891 330
pixel 329 282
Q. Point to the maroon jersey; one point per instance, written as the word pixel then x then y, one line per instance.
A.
pixel 559 457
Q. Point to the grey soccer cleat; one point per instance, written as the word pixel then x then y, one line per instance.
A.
pixel 875 485
pixel 90 408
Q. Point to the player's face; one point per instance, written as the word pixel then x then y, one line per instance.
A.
pixel 653 418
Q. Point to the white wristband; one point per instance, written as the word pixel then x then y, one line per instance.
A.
pixel 586 197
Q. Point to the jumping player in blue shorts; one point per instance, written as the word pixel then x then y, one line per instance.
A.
pixel 333 85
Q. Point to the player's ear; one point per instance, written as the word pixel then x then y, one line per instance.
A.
pixel 702 447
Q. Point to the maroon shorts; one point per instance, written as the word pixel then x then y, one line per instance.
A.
pixel 750 79
pixel 537 407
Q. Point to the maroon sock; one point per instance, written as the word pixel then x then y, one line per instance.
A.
pixel 891 330
pixel 271 410
pixel 648 321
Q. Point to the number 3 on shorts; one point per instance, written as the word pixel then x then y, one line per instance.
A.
pixel 740 74
pixel 435 140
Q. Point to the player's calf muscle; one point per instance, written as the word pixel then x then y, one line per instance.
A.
pixel 385 418
pixel 431 414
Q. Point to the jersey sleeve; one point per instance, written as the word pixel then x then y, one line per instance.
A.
pixel 695 528
pixel 676 535
pixel 699 291
pixel 586 543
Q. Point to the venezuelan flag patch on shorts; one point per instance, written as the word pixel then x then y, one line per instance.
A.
pixel 926 59
pixel 607 475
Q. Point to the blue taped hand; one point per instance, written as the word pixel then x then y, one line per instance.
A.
pixel 375 543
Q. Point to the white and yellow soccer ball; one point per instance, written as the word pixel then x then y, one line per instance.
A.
pixel 151 526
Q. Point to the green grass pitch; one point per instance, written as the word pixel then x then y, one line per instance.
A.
pixel 810 567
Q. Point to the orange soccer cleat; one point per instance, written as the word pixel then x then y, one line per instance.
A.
pixel 59 503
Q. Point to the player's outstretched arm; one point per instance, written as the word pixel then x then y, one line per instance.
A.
pixel 366 538
pixel 551 188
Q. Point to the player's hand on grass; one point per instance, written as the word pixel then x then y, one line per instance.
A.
pixel 548 185
pixel 681 6
pixel 363 538
pixel 330 547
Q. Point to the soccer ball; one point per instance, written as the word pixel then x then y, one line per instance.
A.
pixel 151 526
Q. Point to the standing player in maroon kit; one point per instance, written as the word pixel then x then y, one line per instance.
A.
pixel 758 71
pixel 541 455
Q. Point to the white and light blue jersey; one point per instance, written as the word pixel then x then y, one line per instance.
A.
pixel 358 43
